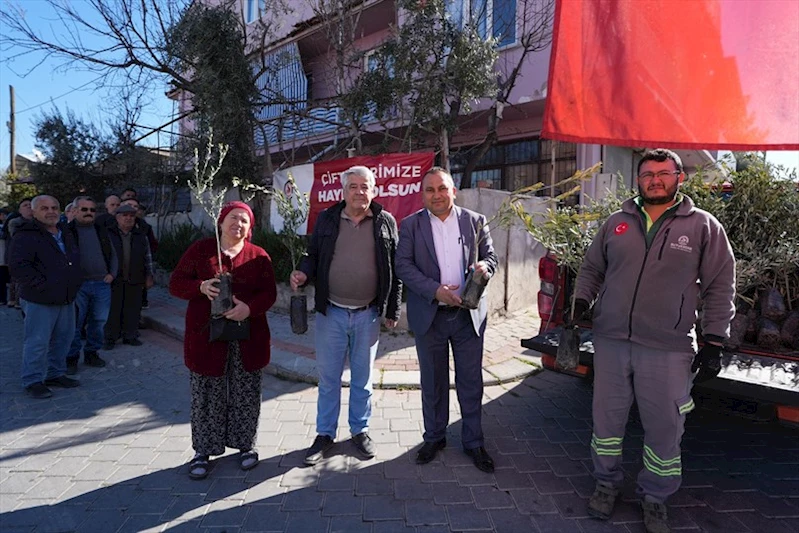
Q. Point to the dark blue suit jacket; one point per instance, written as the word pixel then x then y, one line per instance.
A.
pixel 417 265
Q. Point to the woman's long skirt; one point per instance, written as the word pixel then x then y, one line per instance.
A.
pixel 225 409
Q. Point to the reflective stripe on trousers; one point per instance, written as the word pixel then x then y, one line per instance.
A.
pixel 660 382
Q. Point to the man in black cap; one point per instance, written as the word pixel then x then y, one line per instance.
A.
pixel 135 273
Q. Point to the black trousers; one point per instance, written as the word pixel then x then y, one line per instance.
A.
pixel 4 279
pixel 452 328
pixel 123 318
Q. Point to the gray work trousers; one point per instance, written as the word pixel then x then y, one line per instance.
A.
pixel 660 381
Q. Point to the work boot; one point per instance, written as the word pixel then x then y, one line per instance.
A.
pixel 602 501
pixel 655 517
pixel 93 359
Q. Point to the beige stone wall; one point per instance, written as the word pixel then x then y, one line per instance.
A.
pixel 515 285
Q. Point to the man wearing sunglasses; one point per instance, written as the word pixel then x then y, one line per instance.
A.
pixel 99 265
pixel 645 273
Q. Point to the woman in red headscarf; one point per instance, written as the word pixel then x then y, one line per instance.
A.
pixel 225 375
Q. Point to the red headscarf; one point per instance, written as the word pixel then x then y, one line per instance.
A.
pixel 230 206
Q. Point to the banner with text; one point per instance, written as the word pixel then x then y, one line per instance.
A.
pixel 398 179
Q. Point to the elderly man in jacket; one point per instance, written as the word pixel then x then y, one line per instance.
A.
pixel 134 274
pixel 45 262
pixel 351 261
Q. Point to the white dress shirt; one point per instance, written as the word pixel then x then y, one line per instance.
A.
pixel 449 250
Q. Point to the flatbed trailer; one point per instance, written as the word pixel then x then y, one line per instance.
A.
pixel 752 382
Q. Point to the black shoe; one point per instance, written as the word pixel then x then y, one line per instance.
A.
pixel 429 451
pixel 145 305
pixel 481 459
pixel 108 345
pixel 132 342
pixel 72 367
pixel 62 381
pixel 38 391
pixel 364 443
pixel 92 359
pixel 316 452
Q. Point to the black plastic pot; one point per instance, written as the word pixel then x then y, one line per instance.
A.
pixel 224 301
pixel 299 314
pixel 473 290
pixel 568 355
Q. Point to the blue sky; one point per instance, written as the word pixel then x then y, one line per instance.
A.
pixel 51 84
pixel 784 158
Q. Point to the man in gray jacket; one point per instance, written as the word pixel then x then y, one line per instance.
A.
pixel 99 265
pixel 645 273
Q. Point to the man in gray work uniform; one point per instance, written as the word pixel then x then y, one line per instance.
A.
pixel 645 273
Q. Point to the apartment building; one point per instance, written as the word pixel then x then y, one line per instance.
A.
pixel 305 55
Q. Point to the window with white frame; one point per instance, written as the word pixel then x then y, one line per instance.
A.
pixel 253 10
pixel 491 18
pixel 371 62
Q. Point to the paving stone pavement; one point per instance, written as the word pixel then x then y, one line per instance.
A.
pixel 396 365
pixel 110 456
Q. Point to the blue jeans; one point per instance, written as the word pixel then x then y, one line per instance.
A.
pixel 48 332
pixel 339 333
pixel 93 303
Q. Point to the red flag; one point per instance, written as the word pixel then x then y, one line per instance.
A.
pixel 713 74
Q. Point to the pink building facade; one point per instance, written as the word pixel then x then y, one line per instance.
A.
pixel 303 123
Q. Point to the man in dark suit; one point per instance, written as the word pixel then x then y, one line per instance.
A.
pixel 434 256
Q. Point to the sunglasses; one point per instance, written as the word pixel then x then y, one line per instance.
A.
pixel 89 209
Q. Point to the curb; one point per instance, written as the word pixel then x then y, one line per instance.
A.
pixel 291 367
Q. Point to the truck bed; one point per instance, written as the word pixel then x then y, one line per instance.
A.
pixel 749 372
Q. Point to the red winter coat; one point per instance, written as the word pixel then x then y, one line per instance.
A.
pixel 253 284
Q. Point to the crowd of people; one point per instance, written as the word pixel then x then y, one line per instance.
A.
pixel 658 255
pixel 79 280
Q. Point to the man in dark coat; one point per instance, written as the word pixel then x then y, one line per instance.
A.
pixel 143 226
pixel 45 262
pixel 135 273
pixel 111 205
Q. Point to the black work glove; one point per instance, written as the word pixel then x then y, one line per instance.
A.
pixel 580 309
pixel 707 362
